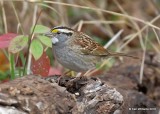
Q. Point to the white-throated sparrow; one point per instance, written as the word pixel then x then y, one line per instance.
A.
pixel 76 50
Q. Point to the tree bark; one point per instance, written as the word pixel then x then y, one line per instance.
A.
pixel 116 92
pixel 36 95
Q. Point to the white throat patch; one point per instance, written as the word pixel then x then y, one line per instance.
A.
pixel 55 40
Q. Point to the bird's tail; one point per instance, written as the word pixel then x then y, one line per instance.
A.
pixel 117 54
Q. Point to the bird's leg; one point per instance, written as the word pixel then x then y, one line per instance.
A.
pixel 67 72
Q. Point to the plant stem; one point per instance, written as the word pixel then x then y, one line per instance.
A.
pixel 29 43
pixel 4 17
pixel 17 17
pixel 12 66
pixel 29 63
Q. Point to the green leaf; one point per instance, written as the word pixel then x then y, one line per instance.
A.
pixel 18 43
pixel 45 40
pixel 40 29
pixel 36 49
pixel 4 75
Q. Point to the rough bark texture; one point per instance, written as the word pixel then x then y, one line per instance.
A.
pixel 117 92
pixel 35 95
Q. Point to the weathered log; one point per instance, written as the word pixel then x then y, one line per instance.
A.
pixel 119 93
pixel 36 95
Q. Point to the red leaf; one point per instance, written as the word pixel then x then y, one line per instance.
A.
pixel 5 39
pixel 41 66
pixel 5 80
pixel 53 71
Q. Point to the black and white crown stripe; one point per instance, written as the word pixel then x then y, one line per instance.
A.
pixel 64 30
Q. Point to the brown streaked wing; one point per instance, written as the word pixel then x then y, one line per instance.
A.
pixel 89 46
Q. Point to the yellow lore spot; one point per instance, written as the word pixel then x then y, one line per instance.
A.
pixel 54 30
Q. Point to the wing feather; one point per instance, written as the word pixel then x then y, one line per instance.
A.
pixel 90 47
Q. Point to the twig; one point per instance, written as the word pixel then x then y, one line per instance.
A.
pixel 80 25
pixel 113 39
pixel 132 21
pixel 156 35
pixel 143 59
pixel 152 21
pixel 4 17
pixel 14 9
pixel 30 55
pixel 105 11
pixel 29 43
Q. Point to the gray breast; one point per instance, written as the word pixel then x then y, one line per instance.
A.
pixel 72 60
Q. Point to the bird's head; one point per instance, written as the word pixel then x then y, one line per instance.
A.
pixel 59 34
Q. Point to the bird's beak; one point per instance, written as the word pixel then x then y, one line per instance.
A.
pixel 48 34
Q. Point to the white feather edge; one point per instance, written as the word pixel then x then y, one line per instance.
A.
pixel 65 30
